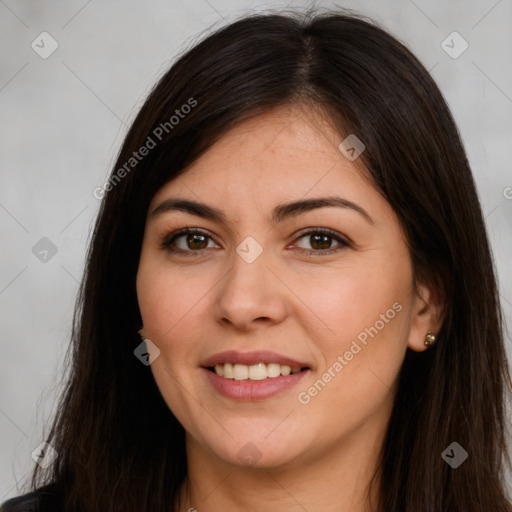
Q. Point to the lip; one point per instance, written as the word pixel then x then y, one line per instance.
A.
pixel 251 358
pixel 253 390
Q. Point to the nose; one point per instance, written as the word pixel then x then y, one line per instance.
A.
pixel 250 294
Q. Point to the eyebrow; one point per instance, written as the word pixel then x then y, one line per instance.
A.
pixel 280 212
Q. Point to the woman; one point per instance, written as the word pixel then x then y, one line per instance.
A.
pixel 293 229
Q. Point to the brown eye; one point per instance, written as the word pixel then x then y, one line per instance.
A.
pixel 187 241
pixel 196 241
pixel 321 241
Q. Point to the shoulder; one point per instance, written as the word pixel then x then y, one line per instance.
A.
pixel 43 499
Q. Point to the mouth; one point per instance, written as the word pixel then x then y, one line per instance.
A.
pixel 253 376
pixel 258 371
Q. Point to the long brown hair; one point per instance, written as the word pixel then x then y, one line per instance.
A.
pixel 119 446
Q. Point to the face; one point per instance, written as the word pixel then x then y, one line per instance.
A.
pixel 304 308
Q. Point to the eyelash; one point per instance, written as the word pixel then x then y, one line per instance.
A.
pixel 170 239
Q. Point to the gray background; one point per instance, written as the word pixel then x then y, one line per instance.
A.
pixel 63 119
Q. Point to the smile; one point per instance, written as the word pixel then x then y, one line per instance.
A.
pixel 259 371
pixel 251 376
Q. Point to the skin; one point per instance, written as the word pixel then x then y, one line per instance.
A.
pixel 315 456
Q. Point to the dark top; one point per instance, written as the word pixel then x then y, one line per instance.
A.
pixel 43 499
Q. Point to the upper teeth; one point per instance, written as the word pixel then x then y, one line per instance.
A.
pixel 258 371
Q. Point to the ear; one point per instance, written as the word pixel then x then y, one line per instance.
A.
pixel 429 309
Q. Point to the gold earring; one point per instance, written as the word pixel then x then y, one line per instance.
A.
pixel 142 334
pixel 430 339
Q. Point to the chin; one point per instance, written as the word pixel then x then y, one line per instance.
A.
pixel 256 451
pixel 251 456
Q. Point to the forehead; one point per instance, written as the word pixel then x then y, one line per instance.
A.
pixel 289 151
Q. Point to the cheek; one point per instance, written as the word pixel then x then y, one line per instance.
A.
pixel 347 300
pixel 365 314
pixel 360 363
pixel 171 303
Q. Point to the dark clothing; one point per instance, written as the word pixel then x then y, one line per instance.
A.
pixel 43 499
